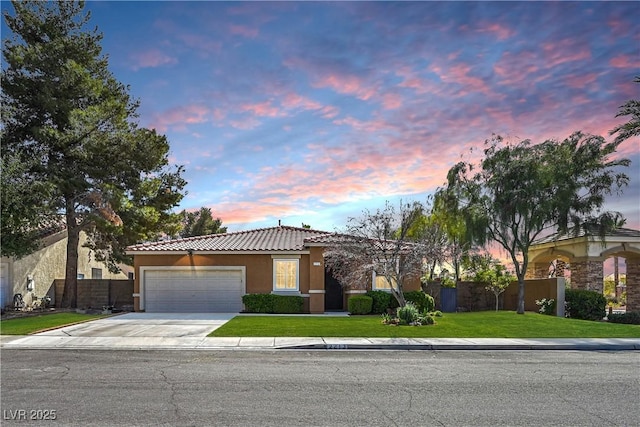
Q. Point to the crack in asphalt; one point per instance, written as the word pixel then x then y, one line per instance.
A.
pixel 172 397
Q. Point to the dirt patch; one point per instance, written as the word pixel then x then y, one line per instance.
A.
pixel 13 314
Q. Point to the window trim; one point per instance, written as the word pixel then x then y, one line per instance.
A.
pixel 374 287
pixel 297 279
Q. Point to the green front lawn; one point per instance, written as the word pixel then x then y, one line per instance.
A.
pixel 31 324
pixel 486 324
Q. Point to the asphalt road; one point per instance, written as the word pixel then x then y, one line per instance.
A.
pixel 323 388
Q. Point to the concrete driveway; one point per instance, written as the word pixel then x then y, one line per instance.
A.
pixel 147 325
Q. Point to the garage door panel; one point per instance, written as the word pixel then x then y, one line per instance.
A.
pixel 193 291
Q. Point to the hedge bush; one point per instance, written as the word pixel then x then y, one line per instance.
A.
pixel 360 304
pixel 423 302
pixel 287 304
pixel 585 305
pixel 381 301
pixel 258 303
pixel 629 318
pixel 270 303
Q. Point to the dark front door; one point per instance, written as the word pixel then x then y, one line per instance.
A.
pixel 333 297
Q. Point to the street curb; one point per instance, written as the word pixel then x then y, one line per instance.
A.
pixel 478 347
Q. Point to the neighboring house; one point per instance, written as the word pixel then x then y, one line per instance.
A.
pixel 212 273
pixel 33 275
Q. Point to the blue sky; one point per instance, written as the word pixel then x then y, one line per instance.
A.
pixel 311 112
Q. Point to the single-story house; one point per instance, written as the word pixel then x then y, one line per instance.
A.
pixel 33 275
pixel 211 273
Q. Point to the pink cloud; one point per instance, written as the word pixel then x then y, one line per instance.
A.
pixel 151 59
pixel 330 112
pixel 295 101
pixel 625 61
pixel 562 51
pixel 501 31
pixel 246 124
pixel 241 30
pixel 262 109
pixel 349 85
pixel 460 73
pixel 391 101
pixel 370 126
pixel 580 81
pixel 177 118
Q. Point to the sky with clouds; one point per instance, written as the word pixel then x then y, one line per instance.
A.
pixel 312 111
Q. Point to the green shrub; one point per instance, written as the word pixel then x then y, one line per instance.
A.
pixel 585 305
pixel 629 318
pixel 258 303
pixel 269 303
pixel 436 313
pixel 426 319
pixel 422 301
pixel 547 306
pixel 360 304
pixel 381 301
pixel 408 314
pixel 289 304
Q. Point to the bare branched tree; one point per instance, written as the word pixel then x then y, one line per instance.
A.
pixel 380 242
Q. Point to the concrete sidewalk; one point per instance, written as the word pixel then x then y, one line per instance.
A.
pixel 283 343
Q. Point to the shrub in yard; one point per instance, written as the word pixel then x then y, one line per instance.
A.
pixel 585 305
pixel 360 304
pixel 426 319
pixel 290 304
pixel 381 301
pixel 629 318
pixel 258 303
pixel 422 301
pixel 269 303
pixel 408 314
pixel 436 313
pixel 547 306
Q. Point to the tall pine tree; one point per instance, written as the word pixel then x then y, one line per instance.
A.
pixel 70 133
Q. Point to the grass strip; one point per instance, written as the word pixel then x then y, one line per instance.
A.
pixel 487 324
pixel 32 324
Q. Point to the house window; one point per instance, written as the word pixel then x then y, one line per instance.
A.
pixel 285 275
pixel 80 276
pixel 96 273
pixel 380 283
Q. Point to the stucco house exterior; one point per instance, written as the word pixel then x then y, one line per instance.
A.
pixel 212 273
pixel 33 275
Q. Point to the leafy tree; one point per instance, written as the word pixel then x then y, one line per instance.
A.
pixel 200 223
pixel 495 276
pixel 459 244
pixel 74 127
pixel 632 127
pixel 522 190
pixel 379 242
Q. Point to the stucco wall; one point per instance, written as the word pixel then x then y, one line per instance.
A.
pixel 47 265
pixel 259 269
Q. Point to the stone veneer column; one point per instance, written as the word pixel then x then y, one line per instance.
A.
pixel 560 267
pixel 539 270
pixel 633 284
pixel 587 275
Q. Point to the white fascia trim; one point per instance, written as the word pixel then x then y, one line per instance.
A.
pixel 144 269
pixel 197 252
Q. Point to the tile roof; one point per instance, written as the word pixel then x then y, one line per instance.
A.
pixel 281 238
pixel 618 232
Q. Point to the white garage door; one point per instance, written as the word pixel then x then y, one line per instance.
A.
pixel 193 291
